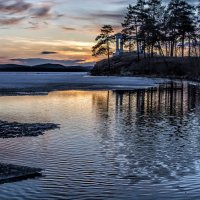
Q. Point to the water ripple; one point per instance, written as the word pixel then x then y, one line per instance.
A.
pixel 142 144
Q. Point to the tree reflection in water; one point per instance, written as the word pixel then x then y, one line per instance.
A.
pixel 151 134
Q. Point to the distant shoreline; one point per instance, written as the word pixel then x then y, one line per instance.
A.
pixel 43 68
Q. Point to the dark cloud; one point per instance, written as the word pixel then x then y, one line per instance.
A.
pixel 36 24
pixel 122 2
pixel 15 6
pixel 126 2
pixel 68 28
pixel 14 11
pixel 74 49
pixel 42 12
pixel 48 52
pixel 11 21
pixel 107 15
pixel 99 17
pixel 11 7
pixel 59 15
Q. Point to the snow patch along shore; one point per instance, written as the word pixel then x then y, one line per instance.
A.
pixel 45 82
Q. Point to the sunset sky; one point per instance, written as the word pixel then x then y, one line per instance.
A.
pixel 39 31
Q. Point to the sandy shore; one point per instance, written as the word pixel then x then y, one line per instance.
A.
pixel 45 82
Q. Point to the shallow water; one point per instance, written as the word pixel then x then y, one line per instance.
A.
pixel 142 144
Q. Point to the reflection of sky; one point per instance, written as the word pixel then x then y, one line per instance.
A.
pixel 30 27
pixel 120 141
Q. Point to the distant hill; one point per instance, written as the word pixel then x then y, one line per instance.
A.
pixel 43 68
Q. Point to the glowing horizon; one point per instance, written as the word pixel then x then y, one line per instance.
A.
pixel 64 30
pixel 54 29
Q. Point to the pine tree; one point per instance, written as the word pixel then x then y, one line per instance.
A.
pixel 172 24
pixel 153 22
pixel 180 23
pixel 104 40
pixel 133 21
pixel 164 29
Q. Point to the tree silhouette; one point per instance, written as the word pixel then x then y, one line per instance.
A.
pixel 104 40
pixel 155 12
pixel 133 21
pixel 168 30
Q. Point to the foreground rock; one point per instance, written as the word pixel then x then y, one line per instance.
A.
pixel 15 129
pixel 12 173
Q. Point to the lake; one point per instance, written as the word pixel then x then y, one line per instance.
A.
pixel 136 144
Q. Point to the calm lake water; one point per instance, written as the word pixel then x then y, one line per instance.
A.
pixel 142 144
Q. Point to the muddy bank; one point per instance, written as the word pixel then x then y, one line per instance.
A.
pixel 15 129
pixel 13 173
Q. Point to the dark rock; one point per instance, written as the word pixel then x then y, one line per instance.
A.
pixel 15 129
pixel 12 173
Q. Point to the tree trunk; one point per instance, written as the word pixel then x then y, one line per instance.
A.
pixel 198 45
pixel 152 50
pixel 166 49
pixel 183 45
pixel 108 49
pixel 172 48
pixel 189 50
pixel 175 48
pixel 149 51
pixel 138 53
pixel 144 49
pixel 195 49
pixel 169 52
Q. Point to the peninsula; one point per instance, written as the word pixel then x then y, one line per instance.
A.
pixel 163 67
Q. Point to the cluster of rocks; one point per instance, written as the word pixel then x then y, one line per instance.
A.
pixel 15 129
pixel 12 173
